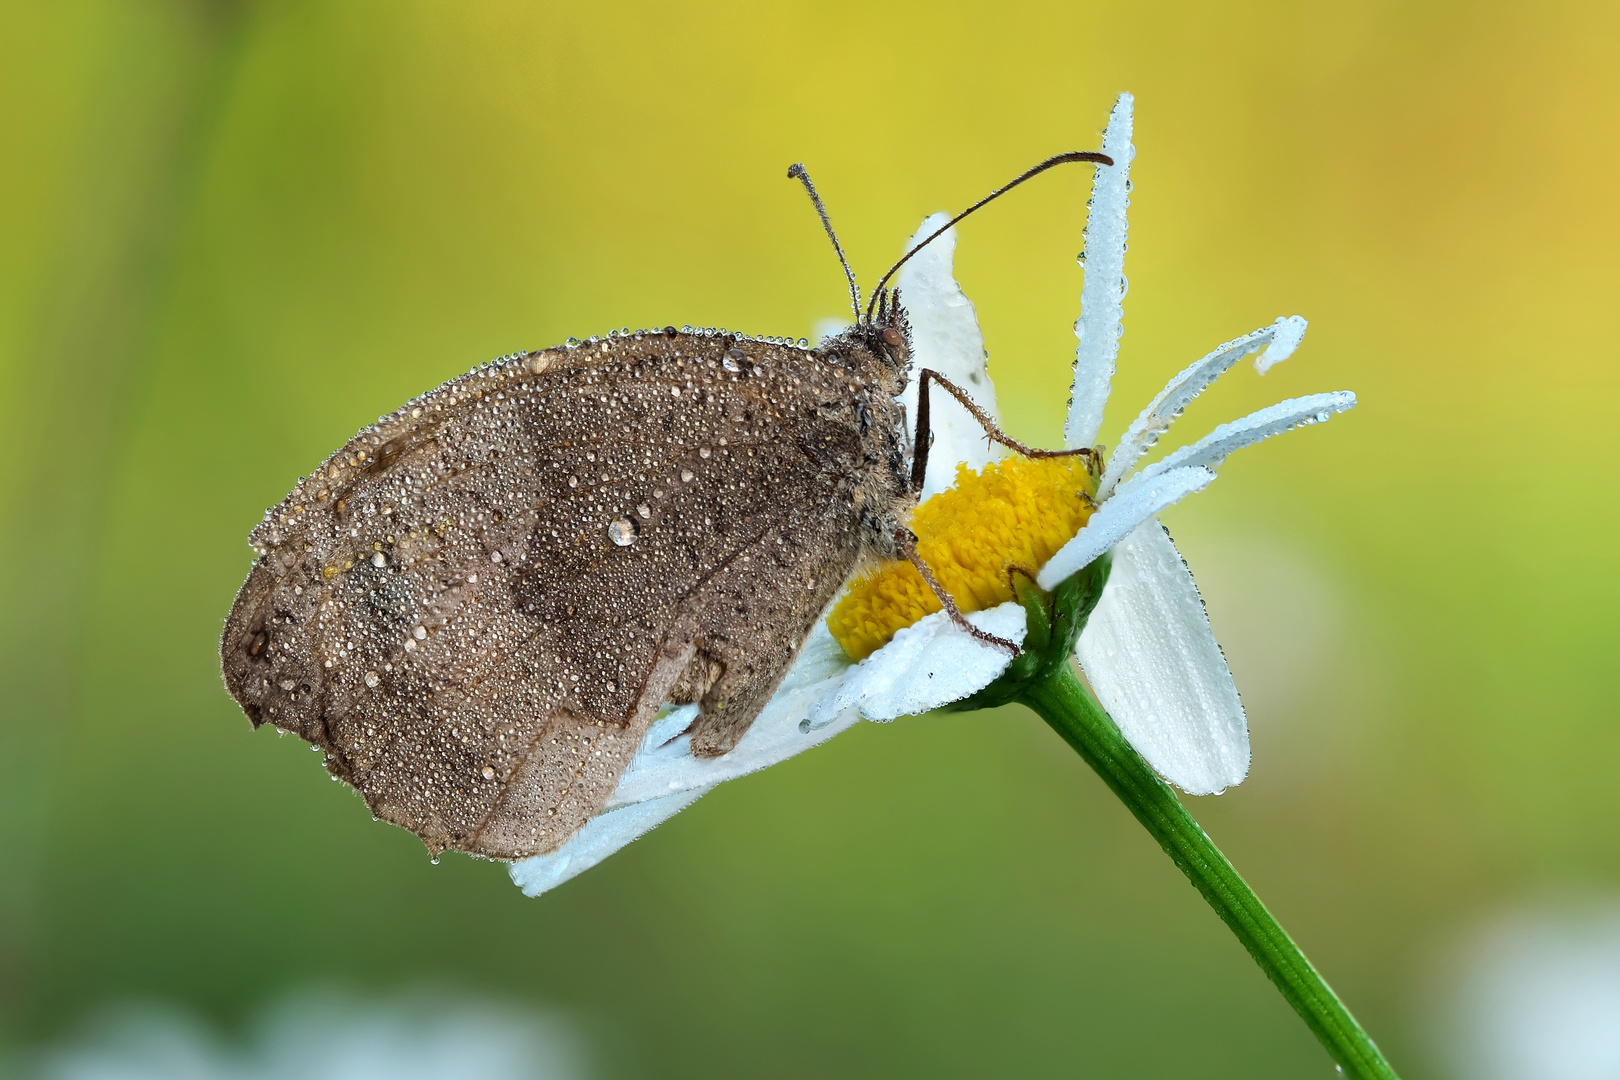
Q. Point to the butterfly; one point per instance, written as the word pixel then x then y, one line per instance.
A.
pixel 478 605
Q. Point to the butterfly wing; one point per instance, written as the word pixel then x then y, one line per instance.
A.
pixel 478 605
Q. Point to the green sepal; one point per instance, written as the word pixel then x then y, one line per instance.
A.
pixel 1053 624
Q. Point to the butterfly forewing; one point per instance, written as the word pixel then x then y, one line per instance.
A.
pixel 478 605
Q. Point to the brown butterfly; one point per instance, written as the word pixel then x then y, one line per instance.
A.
pixel 477 606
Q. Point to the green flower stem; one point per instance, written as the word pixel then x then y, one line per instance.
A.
pixel 1060 699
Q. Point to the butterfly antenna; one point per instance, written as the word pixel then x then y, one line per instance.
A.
pixel 1051 162
pixel 797 173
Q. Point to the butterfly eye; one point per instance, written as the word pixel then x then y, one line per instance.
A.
pixel 891 336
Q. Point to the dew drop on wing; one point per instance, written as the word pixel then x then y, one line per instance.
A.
pixel 622 532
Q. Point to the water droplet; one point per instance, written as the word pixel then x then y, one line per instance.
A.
pixel 622 532
pixel 804 343
pixel 410 646
pixel 645 511
pixel 572 343
pixel 287 684
pixel 419 632
pixel 686 476
pixel 573 481
pixel 730 361
pixel 372 678
pixel 703 451
pixel 434 860
pixel 494 557
pixel 488 773
pixel 378 559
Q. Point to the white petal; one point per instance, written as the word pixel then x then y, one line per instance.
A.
pixel 1290 332
pixel 1282 337
pixel 600 837
pixel 1215 447
pixel 945 337
pixel 930 663
pixel 1103 293
pixel 1133 504
pixel 1151 657
pixel 665 764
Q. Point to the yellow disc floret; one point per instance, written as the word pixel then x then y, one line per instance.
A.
pixel 1012 513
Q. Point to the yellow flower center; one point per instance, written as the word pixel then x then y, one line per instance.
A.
pixel 1013 513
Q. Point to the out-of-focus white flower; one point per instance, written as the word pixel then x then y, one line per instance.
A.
pixel 1537 997
pixel 1148 649
pixel 324 1036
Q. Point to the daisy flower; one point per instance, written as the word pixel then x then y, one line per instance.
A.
pixel 886 649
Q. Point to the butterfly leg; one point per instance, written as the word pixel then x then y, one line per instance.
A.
pixel 920 444
pixel 906 540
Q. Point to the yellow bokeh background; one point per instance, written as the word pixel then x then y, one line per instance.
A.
pixel 232 233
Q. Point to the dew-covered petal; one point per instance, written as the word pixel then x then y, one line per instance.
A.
pixel 1290 332
pixel 600 837
pixel 1133 504
pixel 1151 657
pixel 1215 447
pixel 665 763
pixel 1279 340
pixel 1102 294
pixel 945 337
pixel 930 663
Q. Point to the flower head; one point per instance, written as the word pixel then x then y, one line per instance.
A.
pixel 887 650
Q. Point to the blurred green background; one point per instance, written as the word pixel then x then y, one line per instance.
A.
pixel 231 234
